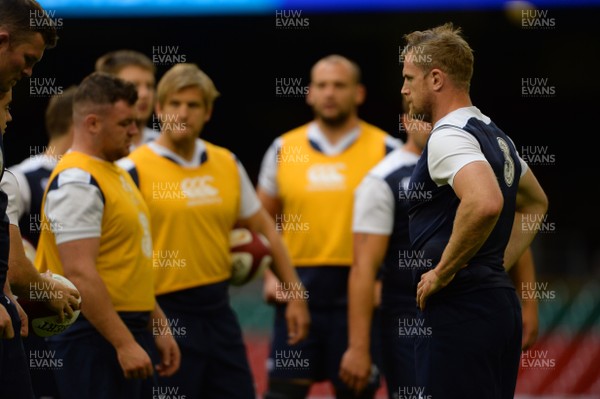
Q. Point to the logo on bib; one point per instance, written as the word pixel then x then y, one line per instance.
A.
pixel 199 191
pixel 326 177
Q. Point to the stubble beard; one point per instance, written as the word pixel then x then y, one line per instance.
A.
pixel 335 121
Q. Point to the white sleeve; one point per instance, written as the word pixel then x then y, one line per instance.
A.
pixel 249 204
pixel 74 209
pixel 24 190
pixel 524 166
pixel 125 163
pixel 10 186
pixel 449 150
pixel 373 207
pixel 267 177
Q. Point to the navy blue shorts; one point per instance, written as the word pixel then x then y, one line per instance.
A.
pixel 15 382
pixel 42 377
pixel 318 357
pixel 474 346
pixel 398 340
pixel 88 366
pixel 214 364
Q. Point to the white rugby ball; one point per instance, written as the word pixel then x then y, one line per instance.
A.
pixel 43 321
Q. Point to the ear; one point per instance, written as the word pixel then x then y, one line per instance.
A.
pixel 309 97
pixel 4 39
pixel 361 94
pixel 438 79
pixel 92 123
pixel 208 115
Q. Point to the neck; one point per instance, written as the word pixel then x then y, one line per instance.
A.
pixel 137 139
pixel 454 100
pixel 335 133
pixel 185 149
pixel 88 149
pixel 410 146
pixel 58 146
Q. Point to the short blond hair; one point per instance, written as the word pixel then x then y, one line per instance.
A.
pixel 445 48
pixel 185 75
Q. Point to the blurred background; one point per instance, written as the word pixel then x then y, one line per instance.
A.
pixel 535 65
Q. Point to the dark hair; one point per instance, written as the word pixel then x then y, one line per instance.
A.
pixel 103 89
pixel 59 113
pixel 114 61
pixel 16 17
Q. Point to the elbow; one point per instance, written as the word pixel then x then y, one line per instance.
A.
pixel 537 205
pixel 491 209
pixel 544 204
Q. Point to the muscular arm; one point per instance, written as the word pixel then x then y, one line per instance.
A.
pixel 523 276
pixel 271 204
pixel 369 251
pixel 22 274
pixel 6 328
pixel 24 278
pixel 532 205
pixel 273 207
pixel 78 258
pixel 480 205
pixel 297 309
pixel 263 223
pixel 168 349
pixel 21 271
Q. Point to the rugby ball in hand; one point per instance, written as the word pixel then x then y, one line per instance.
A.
pixel 44 322
pixel 250 255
